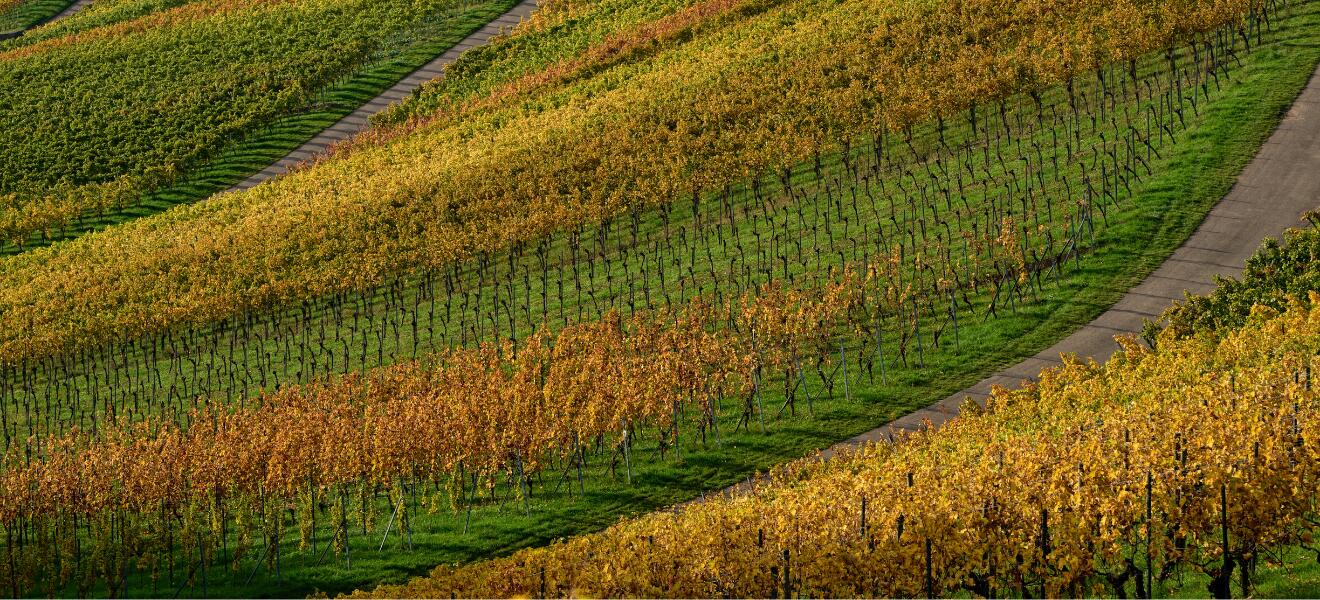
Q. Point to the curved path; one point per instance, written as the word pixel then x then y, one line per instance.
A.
pixel 1270 195
pixel 68 10
pixel 356 121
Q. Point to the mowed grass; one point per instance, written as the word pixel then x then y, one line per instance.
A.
pixel 1167 208
pixel 1280 573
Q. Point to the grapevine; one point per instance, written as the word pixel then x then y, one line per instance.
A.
pixel 1098 480
pixel 998 233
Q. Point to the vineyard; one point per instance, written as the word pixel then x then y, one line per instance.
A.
pixel 387 212
pixel 130 97
pixel 74 314
pixel 630 253
pixel 421 436
pixel 1129 478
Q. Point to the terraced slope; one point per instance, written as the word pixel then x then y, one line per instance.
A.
pixel 131 97
pixel 1063 194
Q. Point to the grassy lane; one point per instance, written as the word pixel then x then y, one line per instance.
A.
pixel 1141 232
pixel 727 249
